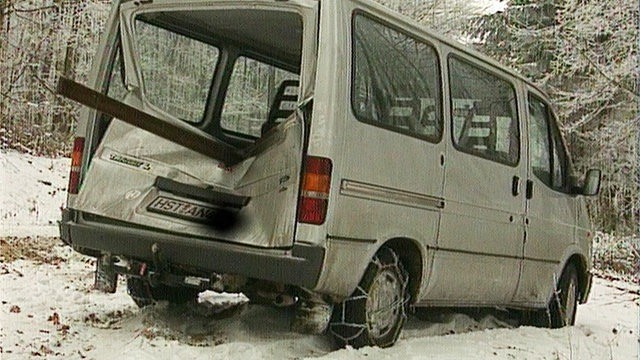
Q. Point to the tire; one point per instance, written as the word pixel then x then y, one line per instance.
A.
pixel 564 302
pixel 143 294
pixel 561 310
pixel 376 311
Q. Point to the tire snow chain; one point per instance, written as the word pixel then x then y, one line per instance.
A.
pixel 364 295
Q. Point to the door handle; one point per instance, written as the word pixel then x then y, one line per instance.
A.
pixel 515 186
pixel 529 189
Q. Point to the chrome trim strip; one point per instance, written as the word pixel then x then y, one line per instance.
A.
pixel 388 195
pixel 362 241
pixel 467 252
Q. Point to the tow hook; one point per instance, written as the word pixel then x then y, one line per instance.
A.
pixel 156 272
pixel 161 266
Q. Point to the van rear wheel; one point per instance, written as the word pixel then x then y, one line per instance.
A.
pixel 376 311
pixel 143 294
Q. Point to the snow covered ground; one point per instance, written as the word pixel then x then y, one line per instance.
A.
pixel 32 193
pixel 49 310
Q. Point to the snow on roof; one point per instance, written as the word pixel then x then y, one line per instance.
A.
pixel 486 7
pixel 469 8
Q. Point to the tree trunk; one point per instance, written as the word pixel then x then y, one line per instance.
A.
pixel 4 61
pixel 5 5
pixel 62 120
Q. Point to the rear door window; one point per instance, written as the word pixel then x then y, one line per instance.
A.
pixel 177 70
pixel 251 94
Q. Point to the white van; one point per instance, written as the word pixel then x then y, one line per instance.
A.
pixel 329 155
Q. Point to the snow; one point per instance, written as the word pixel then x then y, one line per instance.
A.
pixel 48 308
pixel 470 8
pixel 102 326
pixel 486 7
pixel 32 193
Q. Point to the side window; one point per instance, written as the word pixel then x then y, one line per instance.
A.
pixel 395 80
pixel 548 157
pixel 484 113
pixel 116 88
pixel 539 144
pixel 559 161
pixel 251 93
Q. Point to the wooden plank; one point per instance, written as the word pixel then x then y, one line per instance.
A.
pixel 192 139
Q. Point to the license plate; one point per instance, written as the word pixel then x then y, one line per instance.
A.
pixel 182 209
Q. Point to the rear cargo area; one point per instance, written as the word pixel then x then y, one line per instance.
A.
pixel 127 171
pixel 233 74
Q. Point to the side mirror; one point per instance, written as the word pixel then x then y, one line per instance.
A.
pixel 591 185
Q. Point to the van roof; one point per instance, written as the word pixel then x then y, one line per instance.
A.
pixel 416 26
pixel 413 24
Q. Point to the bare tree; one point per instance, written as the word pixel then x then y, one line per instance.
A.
pixel 42 39
pixel 584 53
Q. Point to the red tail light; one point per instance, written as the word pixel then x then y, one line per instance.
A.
pixel 76 163
pixel 314 194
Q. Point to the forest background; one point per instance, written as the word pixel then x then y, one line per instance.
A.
pixel 584 53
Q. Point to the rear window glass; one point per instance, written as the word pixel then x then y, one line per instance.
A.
pixel 252 96
pixel 177 70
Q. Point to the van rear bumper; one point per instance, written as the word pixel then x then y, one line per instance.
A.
pixel 298 266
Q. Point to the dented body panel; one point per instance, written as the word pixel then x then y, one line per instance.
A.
pixel 135 159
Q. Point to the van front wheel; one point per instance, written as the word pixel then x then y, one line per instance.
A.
pixel 561 310
pixel 376 311
pixel 564 303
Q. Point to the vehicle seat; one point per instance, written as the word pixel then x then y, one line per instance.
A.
pixel 283 105
pixel 403 113
pixel 478 133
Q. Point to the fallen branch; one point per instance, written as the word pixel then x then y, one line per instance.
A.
pixel 613 286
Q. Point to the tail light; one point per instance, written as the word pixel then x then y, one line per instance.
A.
pixel 314 194
pixel 76 162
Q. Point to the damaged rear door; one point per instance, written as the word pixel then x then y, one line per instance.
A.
pixel 206 139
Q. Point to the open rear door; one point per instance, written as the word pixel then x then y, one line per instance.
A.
pixel 141 178
pixel 232 175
